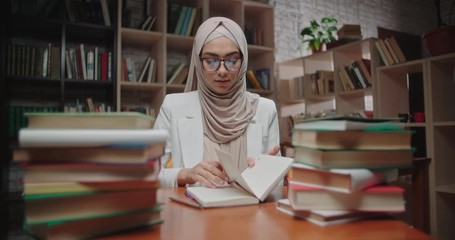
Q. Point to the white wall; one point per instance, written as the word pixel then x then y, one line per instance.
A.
pixel 410 16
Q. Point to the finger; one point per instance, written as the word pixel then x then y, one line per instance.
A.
pixel 250 161
pixel 274 151
pixel 216 169
pixel 209 170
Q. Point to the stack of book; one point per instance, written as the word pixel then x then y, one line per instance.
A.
pixel 350 31
pixel 89 174
pixel 343 166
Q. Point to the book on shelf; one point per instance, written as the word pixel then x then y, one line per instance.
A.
pixel 382 53
pixel 360 75
pixel 323 217
pixel 397 49
pixel 145 68
pixel 78 171
pixel 372 159
pixel 93 227
pixel 351 31
pixel 354 139
pixel 253 80
pixel 186 21
pixel 263 75
pixel 340 180
pixel 391 50
pixel 379 198
pixel 174 72
pixel 343 123
pixel 345 81
pixel 151 75
pixel 365 68
pixel 251 186
pixel 71 206
pixel 181 19
pixel 106 120
pixel 120 155
pixel 181 76
pixel 47 137
pixel 37 188
pixel 106 14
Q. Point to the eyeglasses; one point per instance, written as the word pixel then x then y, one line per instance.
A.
pixel 213 64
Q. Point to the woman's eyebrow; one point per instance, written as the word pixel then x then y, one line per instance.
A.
pixel 217 55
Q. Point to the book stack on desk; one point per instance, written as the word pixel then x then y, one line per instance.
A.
pixel 343 166
pixel 89 174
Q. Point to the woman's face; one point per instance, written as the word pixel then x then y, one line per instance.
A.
pixel 222 79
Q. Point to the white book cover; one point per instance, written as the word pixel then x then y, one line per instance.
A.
pixel 84 61
pixel 33 137
pixel 69 73
pixel 151 73
pixel 90 65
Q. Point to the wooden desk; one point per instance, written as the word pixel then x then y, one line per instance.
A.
pixel 261 221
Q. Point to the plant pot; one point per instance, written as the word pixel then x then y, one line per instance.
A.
pixel 441 40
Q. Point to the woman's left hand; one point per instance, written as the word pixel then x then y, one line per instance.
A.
pixel 274 151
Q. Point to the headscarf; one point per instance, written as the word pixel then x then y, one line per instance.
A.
pixel 225 116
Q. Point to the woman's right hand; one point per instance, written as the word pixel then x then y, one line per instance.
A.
pixel 207 173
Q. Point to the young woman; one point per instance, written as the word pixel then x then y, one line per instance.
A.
pixel 216 111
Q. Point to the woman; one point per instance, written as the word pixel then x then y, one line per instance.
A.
pixel 216 111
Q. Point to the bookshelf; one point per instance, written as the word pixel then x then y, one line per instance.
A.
pixel 297 88
pixel 36 67
pixel 170 49
pixel 427 85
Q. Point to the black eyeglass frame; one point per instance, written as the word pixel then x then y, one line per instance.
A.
pixel 221 60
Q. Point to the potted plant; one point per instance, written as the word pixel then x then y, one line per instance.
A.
pixel 440 41
pixel 319 33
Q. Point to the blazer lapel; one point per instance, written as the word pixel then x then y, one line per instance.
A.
pixel 191 139
pixel 254 138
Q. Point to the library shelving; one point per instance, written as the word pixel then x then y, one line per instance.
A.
pixel 427 86
pixel 298 83
pixel 170 47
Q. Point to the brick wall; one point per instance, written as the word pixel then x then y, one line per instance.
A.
pixel 411 16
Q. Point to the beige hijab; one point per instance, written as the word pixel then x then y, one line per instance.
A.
pixel 225 116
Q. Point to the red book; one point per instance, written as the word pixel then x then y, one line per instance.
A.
pixel 104 65
pixel 379 198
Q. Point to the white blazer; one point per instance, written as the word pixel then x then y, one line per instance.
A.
pixel 181 115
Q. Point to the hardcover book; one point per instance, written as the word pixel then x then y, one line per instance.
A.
pixel 367 140
pixel 42 137
pixel 55 207
pixel 323 217
pixel 89 172
pixel 119 155
pixel 372 159
pixel 343 123
pixel 341 180
pixel 106 120
pixel 251 186
pixel 94 226
pixel 379 198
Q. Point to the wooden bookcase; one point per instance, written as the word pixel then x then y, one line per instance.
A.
pixel 168 48
pixel 398 92
pixel 28 36
pixel 339 101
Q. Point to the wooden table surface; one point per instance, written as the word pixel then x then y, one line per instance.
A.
pixel 261 221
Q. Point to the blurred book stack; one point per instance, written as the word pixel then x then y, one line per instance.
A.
pixel 346 34
pixel 350 31
pixel 343 167
pixel 89 174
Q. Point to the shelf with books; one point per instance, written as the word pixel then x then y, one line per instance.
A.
pixel 170 48
pixel 424 89
pixel 332 98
